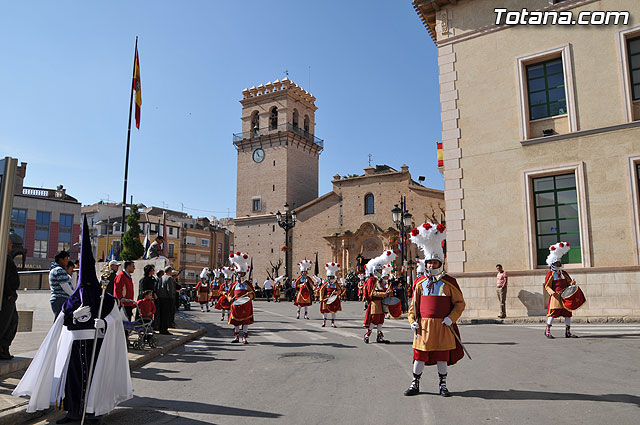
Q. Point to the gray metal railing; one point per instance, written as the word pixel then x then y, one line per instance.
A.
pixel 255 134
pixel 38 279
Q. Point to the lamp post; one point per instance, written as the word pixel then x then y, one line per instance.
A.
pixel 403 221
pixel 287 222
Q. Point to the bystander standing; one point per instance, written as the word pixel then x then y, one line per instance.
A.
pixel 501 290
pixel 8 311
pixel 165 290
pixel 268 289
pixel 113 272
pixel 124 288
pixel 59 283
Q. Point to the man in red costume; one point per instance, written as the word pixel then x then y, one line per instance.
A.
pixel 375 290
pixel 556 281
pixel 203 289
pixel 436 305
pixel 304 287
pixel 240 296
pixel 223 303
pixel 327 289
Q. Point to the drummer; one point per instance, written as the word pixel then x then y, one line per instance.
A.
pixel 277 288
pixel 203 289
pixel 223 303
pixel 556 281
pixel 328 289
pixel 375 290
pixel 241 309
pixel 215 286
pixel 304 287
pixel 361 279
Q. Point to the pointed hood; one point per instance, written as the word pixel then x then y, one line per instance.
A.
pixel 87 274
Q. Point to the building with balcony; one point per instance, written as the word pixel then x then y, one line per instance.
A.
pixel 47 220
pixel 204 244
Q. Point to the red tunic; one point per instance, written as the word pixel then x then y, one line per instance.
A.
pixel 375 313
pixel 326 290
pixel 555 308
pixel 146 308
pixel 223 302
pixel 203 292
pixel 242 314
pixel 305 290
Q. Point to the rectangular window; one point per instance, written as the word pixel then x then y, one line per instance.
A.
pixel 256 205
pixel 633 50
pixel 170 251
pixel 545 89
pixel 41 244
pixel 190 240
pixel 555 203
pixel 204 243
pixel 65 231
pixel 190 258
pixel 204 259
pixel 19 221
pixel 171 230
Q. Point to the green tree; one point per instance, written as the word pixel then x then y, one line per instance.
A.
pixel 132 247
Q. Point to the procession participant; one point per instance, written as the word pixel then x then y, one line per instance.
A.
pixel 223 303
pixel 59 371
pixel 277 288
pixel 241 315
pixel 203 289
pixel 329 288
pixel 375 290
pixel 436 305
pixel 343 283
pixel 304 287
pixel 361 280
pixel 215 286
pixel 556 281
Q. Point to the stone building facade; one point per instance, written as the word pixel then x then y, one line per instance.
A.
pixel 278 155
pixel 541 143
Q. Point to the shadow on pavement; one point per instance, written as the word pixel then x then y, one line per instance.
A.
pixel 610 336
pixel 195 407
pixel 547 396
pixel 155 374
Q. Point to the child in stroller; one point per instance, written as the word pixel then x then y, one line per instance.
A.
pixel 142 327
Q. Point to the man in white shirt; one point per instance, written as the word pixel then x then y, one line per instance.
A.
pixel 268 289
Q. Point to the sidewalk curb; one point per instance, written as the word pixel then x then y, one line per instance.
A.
pixel 18 414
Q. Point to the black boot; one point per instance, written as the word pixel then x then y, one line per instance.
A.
pixel 236 337
pixel 547 332
pixel 414 388
pixel 366 336
pixel 568 334
pixel 444 392
pixel 245 335
pixel 380 338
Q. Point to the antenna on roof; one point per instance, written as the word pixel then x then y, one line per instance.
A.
pixel 370 156
pixel 286 72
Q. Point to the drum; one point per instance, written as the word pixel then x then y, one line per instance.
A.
pixel 332 299
pixel 394 305
pixel 241 301
pixel 573 298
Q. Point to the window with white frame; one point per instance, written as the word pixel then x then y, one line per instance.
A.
pixel 204 243
pixel 204 259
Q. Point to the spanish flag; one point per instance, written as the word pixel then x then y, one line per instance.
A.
pixel 137 87
pixel 439 147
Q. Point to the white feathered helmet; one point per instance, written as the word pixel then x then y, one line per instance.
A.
pixel 557 251
pixel 227 272
pixel 305 265
pixel 240 260
pixel 429 239
pixel 377 263
pixel 386 270
pixel 204 274
pixel 420 267
pixel 216 273
pixel 331 268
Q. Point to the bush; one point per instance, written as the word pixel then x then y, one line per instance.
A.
pixel 132 247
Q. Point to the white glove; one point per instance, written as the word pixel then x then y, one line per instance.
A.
pixel 447 321
pixel 414 326
pixel 99 324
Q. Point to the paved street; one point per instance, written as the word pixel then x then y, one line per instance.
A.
pixel 296 372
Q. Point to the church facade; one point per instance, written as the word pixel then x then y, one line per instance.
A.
pixel 278 158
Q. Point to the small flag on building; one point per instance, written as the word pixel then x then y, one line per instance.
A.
pixel 146 243
pixel 440 160
pixel 137 87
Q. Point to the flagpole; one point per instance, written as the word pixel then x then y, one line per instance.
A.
pixel 126 161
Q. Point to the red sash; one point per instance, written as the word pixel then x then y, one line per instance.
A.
pixel 432 306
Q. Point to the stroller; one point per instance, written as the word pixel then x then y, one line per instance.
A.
pixel 142 327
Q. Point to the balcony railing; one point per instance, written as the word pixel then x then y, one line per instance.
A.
pixel 255 134
pixel 42 193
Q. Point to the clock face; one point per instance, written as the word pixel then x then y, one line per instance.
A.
pixel 258 155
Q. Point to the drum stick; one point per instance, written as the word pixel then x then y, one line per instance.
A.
pixel 460 342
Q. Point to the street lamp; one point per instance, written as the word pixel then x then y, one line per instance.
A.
pixel 287 222
pixel 403 221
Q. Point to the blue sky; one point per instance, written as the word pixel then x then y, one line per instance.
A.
pixel 64 91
